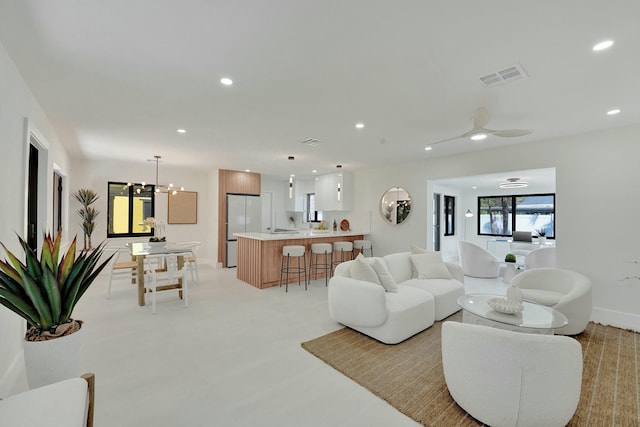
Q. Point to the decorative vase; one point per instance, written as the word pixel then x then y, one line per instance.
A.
pixel 50 361
pixel 514 293
pixel 542 240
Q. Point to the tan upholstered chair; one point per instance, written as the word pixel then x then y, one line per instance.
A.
pixel 506 378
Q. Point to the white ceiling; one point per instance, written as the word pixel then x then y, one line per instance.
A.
pixel 117 78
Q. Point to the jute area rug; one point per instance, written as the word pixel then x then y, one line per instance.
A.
pixel 409 375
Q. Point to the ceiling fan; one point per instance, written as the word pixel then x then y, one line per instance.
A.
pixel 479 132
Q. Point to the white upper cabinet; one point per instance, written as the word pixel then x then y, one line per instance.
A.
pixel 334 192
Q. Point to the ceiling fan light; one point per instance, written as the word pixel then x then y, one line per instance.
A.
pixel 513 183
pixel 479 137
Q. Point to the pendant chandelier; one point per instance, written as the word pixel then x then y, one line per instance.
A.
pixel 159 188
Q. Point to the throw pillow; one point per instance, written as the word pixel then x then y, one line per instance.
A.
pixel 429 265
pixel 361 270
pixel 386 279
pixel 417 250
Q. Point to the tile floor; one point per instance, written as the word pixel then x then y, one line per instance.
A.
pixel 232 358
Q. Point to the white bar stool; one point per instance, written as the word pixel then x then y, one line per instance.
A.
pixel 298 252
pixel 363 245
pixel 319 249
pixel 342 248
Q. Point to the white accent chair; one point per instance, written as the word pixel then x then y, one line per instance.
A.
pixel 67 403
pixel 567 291
pixel 506 378
pixel 541 257
pixel 476 261
pixel 121 267
pixel 154 278
pixel 191 259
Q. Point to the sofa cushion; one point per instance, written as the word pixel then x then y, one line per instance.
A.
pixel 385 277
pixel 429 265
pixel 399 265
pixel 361 269
pixel 542 296
pixel 418 250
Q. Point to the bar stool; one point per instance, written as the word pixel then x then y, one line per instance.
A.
pixel 298 252
pixel 342 248
pixel 363 245
pixel 319 249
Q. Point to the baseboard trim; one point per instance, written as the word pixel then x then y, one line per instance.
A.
pixel 11 375
pixel 616 318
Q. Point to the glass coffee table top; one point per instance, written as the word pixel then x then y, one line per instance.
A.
pixel 534 316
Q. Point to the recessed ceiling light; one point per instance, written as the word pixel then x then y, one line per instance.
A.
pixel 226 81
pixel 314 171
pixel 603 45
pixel 247 170
pixel 613 112
pixel 181 131
pixel 474 187
pixel 359 125
pixel 479 137
pixel 428 148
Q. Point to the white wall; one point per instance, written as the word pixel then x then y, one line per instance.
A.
pixel 596 205
pixel 96 174
pixel 16 104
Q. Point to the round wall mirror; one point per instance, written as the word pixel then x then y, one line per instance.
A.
pixel 395 205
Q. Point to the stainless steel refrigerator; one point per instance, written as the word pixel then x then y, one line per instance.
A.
pixel 244 215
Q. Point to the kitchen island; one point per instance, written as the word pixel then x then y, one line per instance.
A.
pixel 260 254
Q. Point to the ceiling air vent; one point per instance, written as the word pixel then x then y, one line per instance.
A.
pixel 311 142
pixel 507 75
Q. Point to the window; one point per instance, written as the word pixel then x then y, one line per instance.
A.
pixel 310 213
pixel 498 217
pixel 127 207
pixel 501 215
pixel 449 215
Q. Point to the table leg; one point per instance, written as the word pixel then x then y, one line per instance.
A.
pixel 140 279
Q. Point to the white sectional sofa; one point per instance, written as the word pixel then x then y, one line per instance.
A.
pixel 411 291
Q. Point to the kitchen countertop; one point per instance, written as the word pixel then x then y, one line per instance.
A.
pixel 301 234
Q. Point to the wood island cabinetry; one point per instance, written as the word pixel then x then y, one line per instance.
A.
pixel 260 255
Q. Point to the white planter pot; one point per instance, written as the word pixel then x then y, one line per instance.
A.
pixel 51 361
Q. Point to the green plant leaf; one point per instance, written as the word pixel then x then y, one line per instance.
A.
pixel 17 264
pixel 12 273
pixel 38 300
pixel 52 290
pixel 20 307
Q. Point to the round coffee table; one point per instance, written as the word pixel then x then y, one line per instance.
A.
pixel 534 318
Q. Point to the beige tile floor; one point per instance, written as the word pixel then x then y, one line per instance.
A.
pixel 232 358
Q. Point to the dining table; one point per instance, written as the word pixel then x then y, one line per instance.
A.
pixel 141 251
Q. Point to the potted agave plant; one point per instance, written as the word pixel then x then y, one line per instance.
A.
pixel 44 292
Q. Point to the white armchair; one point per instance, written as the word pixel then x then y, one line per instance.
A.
pixel 477 262
pixel 506 378
pixel 567 291
pixel 541 257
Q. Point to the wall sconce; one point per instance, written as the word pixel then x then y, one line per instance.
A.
pixel 468 213
pixel 338 191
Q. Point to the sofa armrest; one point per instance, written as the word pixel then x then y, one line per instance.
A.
pixel 357 303
pixel 456 271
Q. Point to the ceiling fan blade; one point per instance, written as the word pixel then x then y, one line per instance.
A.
pixel 512 132
pixel 480 118
pixel 445 140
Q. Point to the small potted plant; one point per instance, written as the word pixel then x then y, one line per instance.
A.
pixel 542 236
pixel 510 258
pixel 88 213
pixel 44 292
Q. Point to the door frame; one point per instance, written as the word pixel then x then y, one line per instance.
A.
pixel 32 136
